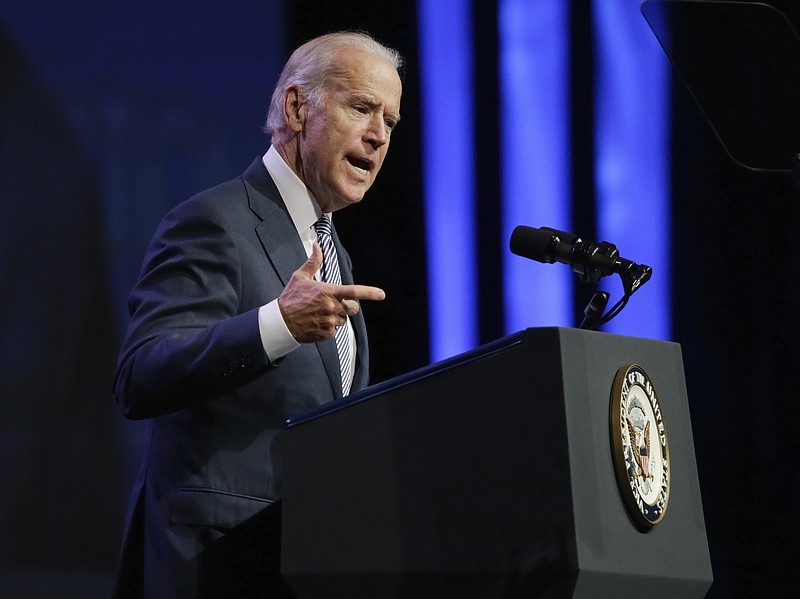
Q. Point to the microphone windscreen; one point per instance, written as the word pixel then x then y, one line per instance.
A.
pixel 531 243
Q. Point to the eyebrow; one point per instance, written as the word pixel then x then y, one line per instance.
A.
pixel 368 101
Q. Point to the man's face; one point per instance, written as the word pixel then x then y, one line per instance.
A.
pixel 344 140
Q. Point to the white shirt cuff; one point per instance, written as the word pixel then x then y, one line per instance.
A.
pixel 275 335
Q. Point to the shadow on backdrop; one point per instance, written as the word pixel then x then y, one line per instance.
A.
pixel 60 454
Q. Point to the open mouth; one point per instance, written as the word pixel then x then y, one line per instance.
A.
pixel 360 164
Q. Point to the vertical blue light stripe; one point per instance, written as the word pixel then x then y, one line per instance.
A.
pixel 448 140
pixel 534 63
pixel 632 160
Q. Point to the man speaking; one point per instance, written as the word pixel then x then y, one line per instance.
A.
pixel 246 313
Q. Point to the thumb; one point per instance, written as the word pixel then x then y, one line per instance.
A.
pixel 312 265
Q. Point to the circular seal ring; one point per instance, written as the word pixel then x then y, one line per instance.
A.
pixel 639 446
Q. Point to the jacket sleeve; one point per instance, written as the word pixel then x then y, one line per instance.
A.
pixel 189 338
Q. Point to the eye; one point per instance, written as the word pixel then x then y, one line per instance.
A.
pixel 390 124
pixel 360 109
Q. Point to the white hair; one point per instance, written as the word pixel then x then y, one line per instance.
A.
pixel 310 68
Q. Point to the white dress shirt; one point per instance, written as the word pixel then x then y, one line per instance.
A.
pixel 304 211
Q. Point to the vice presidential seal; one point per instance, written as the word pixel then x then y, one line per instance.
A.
pixel 639 446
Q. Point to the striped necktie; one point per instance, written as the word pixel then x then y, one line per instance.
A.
pixel 331 274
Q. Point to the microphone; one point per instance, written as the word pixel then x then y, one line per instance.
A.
pixel 589 260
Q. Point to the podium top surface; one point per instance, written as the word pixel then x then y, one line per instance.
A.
pixel 409 378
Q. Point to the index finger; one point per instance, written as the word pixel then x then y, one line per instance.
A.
pixel 357 292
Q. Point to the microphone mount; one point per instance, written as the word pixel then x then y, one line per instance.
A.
pixel 589 260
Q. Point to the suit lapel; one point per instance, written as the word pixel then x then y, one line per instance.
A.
pixel 276 231
pixel 285 251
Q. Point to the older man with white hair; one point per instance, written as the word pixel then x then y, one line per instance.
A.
pixel 246 313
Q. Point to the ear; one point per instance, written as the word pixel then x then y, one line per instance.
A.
pixel 294 109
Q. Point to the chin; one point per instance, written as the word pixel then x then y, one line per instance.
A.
pixel 350 202
pixel 352 198
pixel 340 202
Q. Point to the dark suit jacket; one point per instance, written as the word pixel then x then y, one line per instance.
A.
pixel 193 363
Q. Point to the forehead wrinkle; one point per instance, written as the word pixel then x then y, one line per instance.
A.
pixel 366 87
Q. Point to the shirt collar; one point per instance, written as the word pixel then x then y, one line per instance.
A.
pixel 300 202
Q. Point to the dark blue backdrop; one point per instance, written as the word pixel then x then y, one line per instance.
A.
pixel 110 113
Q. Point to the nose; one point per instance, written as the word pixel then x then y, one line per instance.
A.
pixel 377 134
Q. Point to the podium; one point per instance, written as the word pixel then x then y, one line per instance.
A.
pixel 492 474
